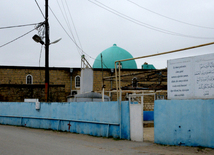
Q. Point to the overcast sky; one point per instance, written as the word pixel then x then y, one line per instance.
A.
pixel 141 27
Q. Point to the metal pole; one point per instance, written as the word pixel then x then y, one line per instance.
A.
pixel 102 79
pixel 47 43
pixel 182 49
pixel 115 65
pixel 120 99
pixel 120 93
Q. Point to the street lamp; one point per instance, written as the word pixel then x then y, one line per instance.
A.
pixel 47 43
pixel 38 39
pixel 56 41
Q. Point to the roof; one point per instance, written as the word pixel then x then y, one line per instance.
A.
pixel 112 54
pixel 148 66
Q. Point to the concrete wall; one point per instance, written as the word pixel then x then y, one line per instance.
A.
pixel 136 122
pixel 184 122
pixel 93 118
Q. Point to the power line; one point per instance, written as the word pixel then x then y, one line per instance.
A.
pixel 64 16
pixel 73 40
pixel 73 24
pixel 7 27
pixel 144 24
pixel 16 38
pixel 68 24
pixel 64 29
pixel 69 35
pixel 40 55
pixel 39 63
pixel 39 8
pixel 169 17
pixel 147 25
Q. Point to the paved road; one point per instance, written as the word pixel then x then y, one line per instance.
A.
pixel 26 141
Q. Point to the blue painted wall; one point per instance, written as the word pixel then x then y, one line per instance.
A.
pixel 184 122
pixel 93 118
pixel 148 115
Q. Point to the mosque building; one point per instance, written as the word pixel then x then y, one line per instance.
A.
pixel 107 58
pixel 20 82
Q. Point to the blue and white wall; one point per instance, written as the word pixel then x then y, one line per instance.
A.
pixel 184 122
pixel 93 118
pixel 188 118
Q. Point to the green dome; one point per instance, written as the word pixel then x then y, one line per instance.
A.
pixel 112 54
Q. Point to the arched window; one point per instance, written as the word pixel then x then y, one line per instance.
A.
pixel 134 82
pixel 29 79
pixel 77 81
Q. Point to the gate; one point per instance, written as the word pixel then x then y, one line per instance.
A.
pixel 138 104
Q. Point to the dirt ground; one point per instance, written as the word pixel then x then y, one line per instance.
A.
pixel 148 134
pixel 169 150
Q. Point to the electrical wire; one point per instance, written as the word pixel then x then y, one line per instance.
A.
pixel 39 8
pixel 8 27
pixel 39 62
pixel 68 25
pixel 152 27
pixel 40 55
pixel 64 16
pixel 65 30
pixel 16 38
pixel 144 24
pixel 73 24
pixel 69 35
pixel 169 17
pixel 41 29
pixel 73 40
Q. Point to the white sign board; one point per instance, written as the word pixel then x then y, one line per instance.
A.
pixel 191 77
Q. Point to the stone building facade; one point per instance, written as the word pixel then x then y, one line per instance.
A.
pixel 18 83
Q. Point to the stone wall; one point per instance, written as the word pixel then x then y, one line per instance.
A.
pixel 13 85
pixel 16 92
pixel 14 75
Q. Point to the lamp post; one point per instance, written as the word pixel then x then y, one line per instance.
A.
pixel 38 39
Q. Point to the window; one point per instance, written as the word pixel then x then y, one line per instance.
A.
pixel 77 81
pixel 134 82
pixel 29 79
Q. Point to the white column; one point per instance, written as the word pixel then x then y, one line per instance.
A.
pixel 136 122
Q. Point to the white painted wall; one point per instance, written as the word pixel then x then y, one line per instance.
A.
pixel 136 122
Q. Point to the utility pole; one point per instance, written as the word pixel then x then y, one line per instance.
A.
pixel 47 43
